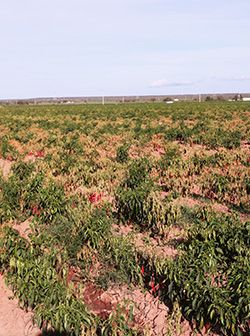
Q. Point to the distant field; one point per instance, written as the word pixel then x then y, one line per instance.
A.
pixel 128 219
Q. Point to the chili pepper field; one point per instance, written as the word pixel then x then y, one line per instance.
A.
pixel 128 219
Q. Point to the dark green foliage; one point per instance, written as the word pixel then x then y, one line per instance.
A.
pixel 72 146
pixel 138 173
pixel 26 193
pixel 222 138
pixel 139 202
pixel 122 153
pixel 64 233
pixel 211 279
pixel 9 199
pixel 33 187
pixel 120 253
pixel 231 139
pixel 13 191
pixel 131 204
pixel 7 151
pixel 206 161
pixel 247 183
pixel 131 198
pixel 170 157
pixel 35 281
pixel 51 201
pixel 220 183
pixel 97 228
pixel 180 133
pixel 22 170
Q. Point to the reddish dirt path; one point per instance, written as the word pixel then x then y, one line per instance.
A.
pixel 5 167
pixel 13 320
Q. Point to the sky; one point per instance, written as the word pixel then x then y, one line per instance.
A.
pixel 62 48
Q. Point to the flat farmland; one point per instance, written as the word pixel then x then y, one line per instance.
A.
pixel 128 219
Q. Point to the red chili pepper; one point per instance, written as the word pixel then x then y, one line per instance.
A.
pixel 142 270
pixel 94 197
pixel 39 154
pixel 152 285
pixel 36 211
pixel 207 327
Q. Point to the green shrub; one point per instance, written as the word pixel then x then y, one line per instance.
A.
pixel 52 202
pixel 170 157
pixel 7 151
pixel 211 279
pixel 12 198
pixel 35 281
pixel 122 154
pixel 139 202
pixel 181 133
pixel 97 228
pixel 119 253
pixel 138 173
pixel 23 170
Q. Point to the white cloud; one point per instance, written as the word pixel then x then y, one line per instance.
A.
pixel 164 83
pixel 239 79
pixel 159 83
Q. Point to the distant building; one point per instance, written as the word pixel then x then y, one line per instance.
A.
pixel 238 97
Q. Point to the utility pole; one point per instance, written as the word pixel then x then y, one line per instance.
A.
pixel 103 100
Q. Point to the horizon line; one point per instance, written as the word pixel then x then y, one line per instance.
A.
pixel 135 96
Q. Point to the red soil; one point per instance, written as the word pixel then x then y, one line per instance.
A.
pixel 23 228
pixel 149 314
pixel 14 321
pixel 5 167
pixel 149 245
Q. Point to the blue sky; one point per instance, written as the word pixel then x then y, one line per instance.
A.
pixel 123 47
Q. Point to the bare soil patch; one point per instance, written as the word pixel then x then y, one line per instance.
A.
pixel 14 321
pixel 149 314
pixel 187 201
pixel 5 167
pixel 154 247
pixel 245 145
pixel 29 158
pixel 23 228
